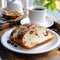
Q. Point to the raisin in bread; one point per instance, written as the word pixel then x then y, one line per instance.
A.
pixel 30 35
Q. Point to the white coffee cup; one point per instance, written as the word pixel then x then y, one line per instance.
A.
pixel 37 14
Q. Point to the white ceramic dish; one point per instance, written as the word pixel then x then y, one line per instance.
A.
pixel 39 49
pixel 46 23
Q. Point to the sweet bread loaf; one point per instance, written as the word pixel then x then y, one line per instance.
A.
pixel 30 35
pixel 9 14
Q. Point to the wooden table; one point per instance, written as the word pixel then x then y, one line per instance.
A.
pixel 9 55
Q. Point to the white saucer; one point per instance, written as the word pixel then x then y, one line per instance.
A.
pixel 37 50
pixel 46 23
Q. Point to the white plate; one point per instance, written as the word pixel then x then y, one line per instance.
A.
pixel 46 23
pixel 39 49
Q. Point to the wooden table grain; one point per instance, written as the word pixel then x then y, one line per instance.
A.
pixel 9 55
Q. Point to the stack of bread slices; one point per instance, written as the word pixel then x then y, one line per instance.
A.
pixel 31 35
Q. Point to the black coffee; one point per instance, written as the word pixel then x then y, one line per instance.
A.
pixel 38 9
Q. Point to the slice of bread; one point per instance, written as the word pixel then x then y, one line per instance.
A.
pixel 30 35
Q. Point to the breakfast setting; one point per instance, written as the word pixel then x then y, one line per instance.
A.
pixel 29 30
